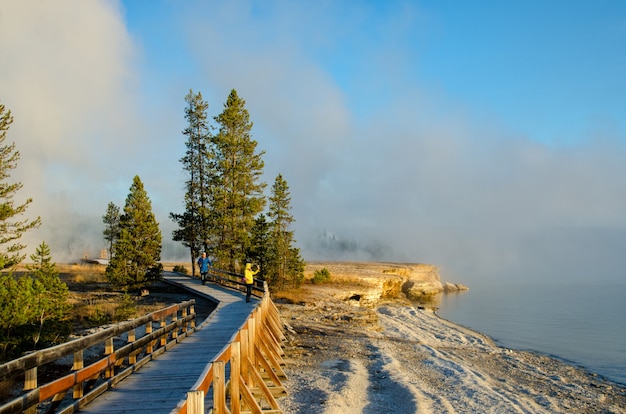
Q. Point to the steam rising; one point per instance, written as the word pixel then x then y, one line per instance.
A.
pixel 380 165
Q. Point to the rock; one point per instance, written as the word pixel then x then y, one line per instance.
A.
pixel 454 287
pixel 366 284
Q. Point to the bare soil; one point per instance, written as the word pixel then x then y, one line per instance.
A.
pixel 400 357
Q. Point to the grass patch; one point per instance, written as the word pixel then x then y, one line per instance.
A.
pixel 292 296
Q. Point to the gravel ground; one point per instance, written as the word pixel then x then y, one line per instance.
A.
pixel 401 359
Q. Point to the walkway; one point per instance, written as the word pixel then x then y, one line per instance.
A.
pixel 159 385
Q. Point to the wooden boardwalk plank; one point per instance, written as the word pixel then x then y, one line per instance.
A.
pixel 158 386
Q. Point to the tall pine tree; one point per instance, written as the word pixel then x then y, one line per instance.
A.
pixel 11 228
pixel 238 192
pixel 136 261
pixel 258 252
pixel 198 163
pixel 111 221
pixel 286 267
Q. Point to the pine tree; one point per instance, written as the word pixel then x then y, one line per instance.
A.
pixel 285 265
pixel 237 193
pixel 11 230
pixel 258 251
pixel 138 247
pixel 111 222
pixel 198 163
pixel 16 311
pixel 33 307
pixel 50 294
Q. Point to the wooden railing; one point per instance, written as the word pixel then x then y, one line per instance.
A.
pixel 246 375
pixel 235 280
pixel 110 366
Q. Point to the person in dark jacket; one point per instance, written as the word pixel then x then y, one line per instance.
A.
pixel 204 263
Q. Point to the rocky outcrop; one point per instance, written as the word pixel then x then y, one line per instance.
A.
pixel 367 283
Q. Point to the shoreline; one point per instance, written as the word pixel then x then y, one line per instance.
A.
pixel 561 359
pixel 576 322
pixel 396 358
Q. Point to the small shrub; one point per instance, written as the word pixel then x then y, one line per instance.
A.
pixel 180 269
pixel 321 276
pixel 126 309
pixel 98 317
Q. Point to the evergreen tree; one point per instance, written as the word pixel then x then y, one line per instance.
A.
pixel 295 267
pixel 50 294
pixel 187 234
pixel 285 265
pixel 138 247
pixel 111 222
pixel 237 192
pixel 259 252
pixel 33 307
pixel 16 311
pixel 198 163
pixel 11 229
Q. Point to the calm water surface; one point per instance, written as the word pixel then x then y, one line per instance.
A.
pixel 583 323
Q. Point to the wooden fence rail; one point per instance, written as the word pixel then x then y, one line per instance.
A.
pixel 246 375
pixel 235 280
pixel 87 382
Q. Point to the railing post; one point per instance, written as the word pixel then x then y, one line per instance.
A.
pixel 30 379
pixel 251 340
pixel 244 339
pixel 192 309
pixel 78 364
pixel 163 337
pixel 30 383
pixel 108 350
pixel 219 388
pixel 132 357
pixel 195 402
pixel 184 315
pixel 235 374
pixel 175 330
pixel 149 345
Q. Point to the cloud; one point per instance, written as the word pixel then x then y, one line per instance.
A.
pixel 69 75
pixel 381 164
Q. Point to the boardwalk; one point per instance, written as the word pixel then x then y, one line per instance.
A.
pixel 160 385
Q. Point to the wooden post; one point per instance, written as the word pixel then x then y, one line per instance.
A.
pixel 235 369
pixel 192 309
pixel 149 346
pixel 78 364
pixel 219 388
pixel 195 402
pixel 184 315
pixel 164 337
pixel 108 350
pixel 251 339
pixel 245 352
pixel 30 379
pixel 132 357
pixel 175 330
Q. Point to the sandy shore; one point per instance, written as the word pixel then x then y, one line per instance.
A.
pixel 401 359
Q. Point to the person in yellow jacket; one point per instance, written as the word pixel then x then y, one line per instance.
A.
pixel 249 278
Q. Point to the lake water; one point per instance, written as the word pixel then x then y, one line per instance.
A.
pixel 581 322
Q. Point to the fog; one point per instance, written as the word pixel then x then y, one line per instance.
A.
pixel 382 165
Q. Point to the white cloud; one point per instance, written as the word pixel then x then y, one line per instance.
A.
pixel 379 164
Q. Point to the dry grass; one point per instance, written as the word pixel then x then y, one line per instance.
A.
pixel 95 303
pixel 169 266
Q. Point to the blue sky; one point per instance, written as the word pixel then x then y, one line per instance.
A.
pixel 488 137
